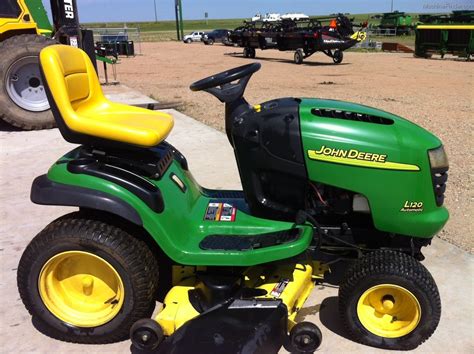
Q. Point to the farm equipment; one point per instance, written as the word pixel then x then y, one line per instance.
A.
pixel 305 37
pixel 398 22
pixel 323 180
pixel 24 31
pixel 443 34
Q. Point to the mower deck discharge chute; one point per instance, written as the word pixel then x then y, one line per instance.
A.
pixel 322 181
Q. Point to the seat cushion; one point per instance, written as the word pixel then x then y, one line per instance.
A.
pixel 122 123
pixel 83 112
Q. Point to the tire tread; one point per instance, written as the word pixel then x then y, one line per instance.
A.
pixel 7 46
pixel 389 263
pixel 140 261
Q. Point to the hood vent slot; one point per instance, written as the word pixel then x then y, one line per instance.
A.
pixel 359 117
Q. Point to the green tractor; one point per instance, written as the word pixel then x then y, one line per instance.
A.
pixel 399 22
pixel 24 31
pixel 323 181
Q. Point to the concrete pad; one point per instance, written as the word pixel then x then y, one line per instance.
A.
pixel 25 155
pixel 124 94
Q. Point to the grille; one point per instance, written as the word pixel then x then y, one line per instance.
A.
pixel 439 176
pixel 358 117
pixel 164 162
pixel 223 194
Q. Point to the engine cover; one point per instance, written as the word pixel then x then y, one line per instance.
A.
pixel 377 155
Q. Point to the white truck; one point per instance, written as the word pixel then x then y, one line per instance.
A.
pixel 295 16
pixel 273 17
pixel 195 36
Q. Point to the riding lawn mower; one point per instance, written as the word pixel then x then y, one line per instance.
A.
pixel 323 181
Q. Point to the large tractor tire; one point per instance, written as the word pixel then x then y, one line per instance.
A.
pixel 389 300
pixel 23 101
pixel 86 279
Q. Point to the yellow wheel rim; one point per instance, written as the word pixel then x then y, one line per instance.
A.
pixel 81 289
pixel 389 311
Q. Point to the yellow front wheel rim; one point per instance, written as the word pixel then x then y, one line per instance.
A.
pixel 81 289
pixel 389 311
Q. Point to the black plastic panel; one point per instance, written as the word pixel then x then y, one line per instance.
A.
pixel 247 243
pixel 139 186
pixel 47 192
pixel 152 163
pixel 223 194
pixel 439 177
pixel 234 327
pixel 358 117
pixel 270 157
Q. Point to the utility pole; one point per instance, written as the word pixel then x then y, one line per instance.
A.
pixel 181 25
pixel 176 13
pixel 156 16
pixel 391 7
pixel 179 19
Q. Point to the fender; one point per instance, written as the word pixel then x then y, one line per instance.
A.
pixel 46 192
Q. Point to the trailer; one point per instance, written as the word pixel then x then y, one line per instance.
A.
pixel 304 37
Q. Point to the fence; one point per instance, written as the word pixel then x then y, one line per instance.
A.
pixel 119 34
pixel 380 32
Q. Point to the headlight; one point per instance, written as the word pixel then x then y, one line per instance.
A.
pixel 438 158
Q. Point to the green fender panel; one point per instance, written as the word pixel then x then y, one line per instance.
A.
pixel 179 229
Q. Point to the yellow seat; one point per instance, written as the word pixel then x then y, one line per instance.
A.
pixel 80 107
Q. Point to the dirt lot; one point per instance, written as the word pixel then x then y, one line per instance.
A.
pixel 436 94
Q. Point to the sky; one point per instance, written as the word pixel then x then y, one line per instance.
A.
pixel 143 10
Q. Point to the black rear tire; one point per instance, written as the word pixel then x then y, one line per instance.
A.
pixel 82 233
pixel 13 50
pixel 385 270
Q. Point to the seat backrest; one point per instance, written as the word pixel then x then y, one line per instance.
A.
pixel 70 80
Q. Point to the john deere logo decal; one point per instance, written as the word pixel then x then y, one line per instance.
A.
pixel 358 158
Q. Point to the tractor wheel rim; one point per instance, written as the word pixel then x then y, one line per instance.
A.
pixel 24 85
pixel 81 289
pixel 389 311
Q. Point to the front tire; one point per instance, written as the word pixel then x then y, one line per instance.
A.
pixel 389 300
pixel 299 56
pixel 86 280
pixel 338 56
pixel 249 52
pixel 23 101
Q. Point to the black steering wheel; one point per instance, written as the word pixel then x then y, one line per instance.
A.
pixel 221 85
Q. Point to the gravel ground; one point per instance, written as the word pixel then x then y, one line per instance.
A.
pixel 436 94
